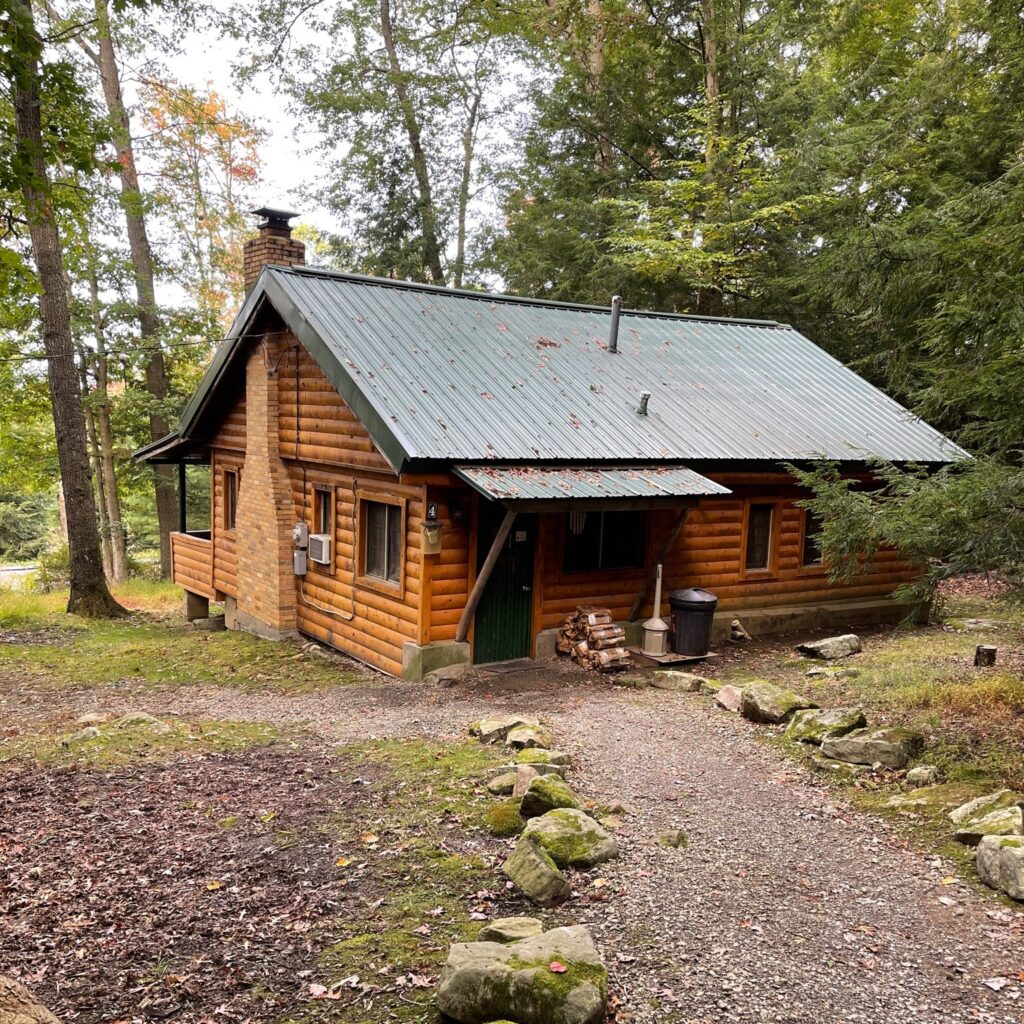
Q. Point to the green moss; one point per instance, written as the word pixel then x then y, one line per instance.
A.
pixel 559 985
pixel 551 791
pixel 1014 844
pixel 503 819
pixel 116 746
pixel 229 822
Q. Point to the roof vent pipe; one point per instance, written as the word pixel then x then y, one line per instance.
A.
pixel 613 334
pixel 645 397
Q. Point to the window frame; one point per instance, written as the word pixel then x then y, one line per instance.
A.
pixel 328 492
pixel 602 573
pixel 808 568
pixel 229 517
pixel 771 569
pixel 363 578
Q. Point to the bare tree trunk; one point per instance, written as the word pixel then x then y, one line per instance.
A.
pixel 142 266
pixel 89 593
pixel 19 1006
pixel 468 145
pixel 712 78
pixel 595 65
pixel 94 459
pixel 108 473
pixel 428 212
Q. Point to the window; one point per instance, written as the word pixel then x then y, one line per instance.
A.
pixel 382 551
pixel 759 536
pixel 323 511
pixel 812 542
pixel 596 541
pixel 230 498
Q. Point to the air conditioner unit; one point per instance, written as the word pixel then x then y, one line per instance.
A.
pixel 320 548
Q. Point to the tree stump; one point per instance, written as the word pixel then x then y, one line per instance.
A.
pixel 19 1006
pixel 985 655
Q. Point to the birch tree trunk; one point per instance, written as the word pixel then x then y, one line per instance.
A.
pixel 94 459
pixel 468 146
pixel 89 593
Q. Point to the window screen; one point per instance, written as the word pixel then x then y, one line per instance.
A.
pixel 230 499
pixel 596 541
pixel 383 554
pixel 322 511
pixel 759 535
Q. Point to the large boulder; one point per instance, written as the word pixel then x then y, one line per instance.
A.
pixel 525 774
pixel 762 702
pixel 572 839
pixel 729 697
pixel 497 727
pixel 545 793
pixel 1007 821
pixel 532 871
pixel 982 805
pixel 815 725
pixel 503 784
pixel 523 737
pixel 1000 863
pixel 672 679
pixel 510 929
pixel 488 981
pixel 890 747
pixel 831 647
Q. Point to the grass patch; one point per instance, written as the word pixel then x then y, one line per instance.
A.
pixel 503 818
pixel 123 745
pixel 428 873
pixel 150 647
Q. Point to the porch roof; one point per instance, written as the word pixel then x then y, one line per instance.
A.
pixel 559 483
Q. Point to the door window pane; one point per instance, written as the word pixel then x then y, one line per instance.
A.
pixel 759 536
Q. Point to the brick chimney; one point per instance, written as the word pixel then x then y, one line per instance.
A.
pixel 273 245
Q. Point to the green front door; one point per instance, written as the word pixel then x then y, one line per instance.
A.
pixel 503 623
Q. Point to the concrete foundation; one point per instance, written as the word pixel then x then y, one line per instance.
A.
pixel 196 606
pixel 250 624
pixel 420 660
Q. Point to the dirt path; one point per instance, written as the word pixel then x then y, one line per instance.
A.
pixel 786 905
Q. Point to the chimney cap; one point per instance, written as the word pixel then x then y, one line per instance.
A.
pixel 273 218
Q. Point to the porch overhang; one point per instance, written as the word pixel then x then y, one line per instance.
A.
pixel 535 488
pixel 172 450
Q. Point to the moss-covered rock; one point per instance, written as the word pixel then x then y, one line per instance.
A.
pixel 503 819
pixel 503 784
pixel 1000 863
pixel 763 702
pixel 891 747
pixel 534 873
pixel 985 804
pixel 487 981
pixel 572 838
pixel 1007 821
pixel 497 727
pixel 529 736
pixel 538 755
pixel 546 793
pixel 510 929
pixel 815 725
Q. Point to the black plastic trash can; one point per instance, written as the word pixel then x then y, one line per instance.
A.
pixel 692 612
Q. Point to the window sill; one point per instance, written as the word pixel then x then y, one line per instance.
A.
pixel 381 586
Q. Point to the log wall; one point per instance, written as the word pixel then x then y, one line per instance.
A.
pixel 225 549
pixel 192 563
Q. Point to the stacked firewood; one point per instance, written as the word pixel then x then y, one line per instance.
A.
pixel 592 639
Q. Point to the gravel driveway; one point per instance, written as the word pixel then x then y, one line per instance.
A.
pixel 787 905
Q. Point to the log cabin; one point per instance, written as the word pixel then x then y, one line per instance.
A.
pixel 425 477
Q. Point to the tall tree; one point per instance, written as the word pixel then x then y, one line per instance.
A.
pixel 22 53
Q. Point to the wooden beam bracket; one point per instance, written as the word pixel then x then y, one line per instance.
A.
pixel 666 550
pixel 484 575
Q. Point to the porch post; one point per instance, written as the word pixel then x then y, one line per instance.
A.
pixel 484 575
pixel 182 510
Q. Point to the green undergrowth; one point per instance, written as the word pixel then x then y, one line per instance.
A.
pixel 127 744
pixel 149 648
pixel 426 867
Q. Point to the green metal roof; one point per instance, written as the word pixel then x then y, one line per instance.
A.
pixel 541 483
pixel 441 375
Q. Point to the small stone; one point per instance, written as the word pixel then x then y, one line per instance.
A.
pixel 525 774
pixel 502 785
pixel 923 775
pixel 681 682
pixel 983 805
pixel 547 793
pixel 1007 821
pixel 832 647
pixel 535 874
pixel 632 682
pixel 890 747
pixel 92 718
pixel 142 718
pixel 815 725
pixel 842 768
pixel 611 822
pixel 523 736
pixel 572 838
pixel 833 673
pixel 510 929
pixel 1000 863
pixel 491 730
pixel 709 687
pixel 491 981
pixel 447 676
pixel 763 702
pixel 210 624
pixel 674 840
pixel 729 697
